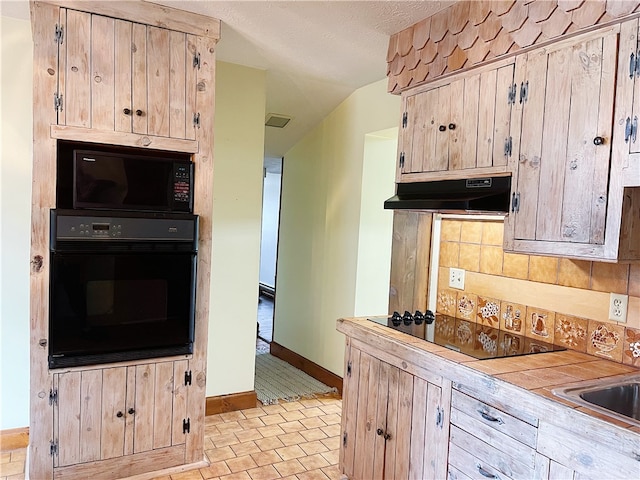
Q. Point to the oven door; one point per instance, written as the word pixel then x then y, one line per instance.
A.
pixel 121 302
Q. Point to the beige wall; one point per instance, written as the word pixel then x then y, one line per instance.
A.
pixel 15 215
pixel 240 99
pixel 320 222
pixel 570 297
pixel 237 200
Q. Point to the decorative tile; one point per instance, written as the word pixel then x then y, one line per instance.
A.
pixel 610 277
pixel 466 307
pixel 449 253
pixel 516 266
pixel 492 233
pixel 469 257
pixel 539 323
pixel 447 302
pixel 606 340
pixel 450 230
pixel 631 349
pixel 491 260
pixel 488 312
pixel 512 317
pixel 471 231
pixel 571 332
pixel 445 329
pixel 543 269
pixel 574 273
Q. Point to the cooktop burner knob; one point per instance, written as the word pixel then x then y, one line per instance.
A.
pixel 396 319
pixel 407 318
pixel 429 317
pixel 418 317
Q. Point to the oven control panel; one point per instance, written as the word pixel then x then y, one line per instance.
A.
pixel 65 226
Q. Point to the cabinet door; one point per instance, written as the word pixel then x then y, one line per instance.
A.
pixel 89 416
pixel 565 105
pixel 137 78
pixel 111 412
pixel 393 422
pixel 461 125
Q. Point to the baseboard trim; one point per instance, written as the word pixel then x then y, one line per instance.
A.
pixel 14 438
pixel 307 366
pixel 231 402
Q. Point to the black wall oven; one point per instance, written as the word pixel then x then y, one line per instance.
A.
pixel 123 286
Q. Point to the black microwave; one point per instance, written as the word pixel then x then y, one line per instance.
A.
pixel 108 180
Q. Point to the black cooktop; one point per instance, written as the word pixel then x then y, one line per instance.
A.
pixel 474 339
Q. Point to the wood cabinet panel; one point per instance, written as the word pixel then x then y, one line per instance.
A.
pixel 460 124
pixel 393 424
pixel 114 381
pixel 91 415
pixel 134 79
pixel 566 107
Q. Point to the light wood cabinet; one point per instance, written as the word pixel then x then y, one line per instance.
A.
pixel 564 112
pixel 123 76
pixel 105 413
pixel 395 423
pixel 458 126
pixel 93 60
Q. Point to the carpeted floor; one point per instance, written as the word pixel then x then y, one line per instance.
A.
pixel 276 380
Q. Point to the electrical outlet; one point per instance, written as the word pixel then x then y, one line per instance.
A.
pixel 456 278
pixel 618 307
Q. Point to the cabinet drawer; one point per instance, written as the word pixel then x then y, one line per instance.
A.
pixel 472 457
pixel 488 416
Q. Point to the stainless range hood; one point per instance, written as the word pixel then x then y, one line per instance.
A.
pixel 471 195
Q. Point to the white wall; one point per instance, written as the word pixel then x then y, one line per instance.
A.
pixel 320 227
pixel 376 223
pixel 239 130
pixel 237 199
pixel 15 214
pixel 270 216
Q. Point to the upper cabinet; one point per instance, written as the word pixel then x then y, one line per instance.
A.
pixel 460 125
pixel 564 114
pixel 122 76
pixel 574 191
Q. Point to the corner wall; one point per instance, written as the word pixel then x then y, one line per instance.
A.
pixel 319 228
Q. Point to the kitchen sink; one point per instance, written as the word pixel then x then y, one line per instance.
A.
pixel 618 397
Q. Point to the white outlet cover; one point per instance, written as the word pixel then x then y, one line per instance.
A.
pixel 456 278
pixel 618 304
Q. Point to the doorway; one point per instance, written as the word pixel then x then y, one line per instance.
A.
pixel 271 187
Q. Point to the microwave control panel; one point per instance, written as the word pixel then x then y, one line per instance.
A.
pixel 182 182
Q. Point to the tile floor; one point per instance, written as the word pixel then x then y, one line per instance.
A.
pixel 292 440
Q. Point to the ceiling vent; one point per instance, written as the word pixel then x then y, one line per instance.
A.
pixel 276 120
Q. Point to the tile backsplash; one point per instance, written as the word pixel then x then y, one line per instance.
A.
pixel 500 282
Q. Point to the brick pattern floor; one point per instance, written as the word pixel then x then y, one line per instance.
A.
pixel 292 440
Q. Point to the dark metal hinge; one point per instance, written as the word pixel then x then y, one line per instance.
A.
pixel 196 120
pixel 511 94
pixel 515 202
pixel 440 417
pixel 634 64
pixel 402 160
pixel 404 120
pixel 344 439
pixel 187 378
pixel 349 368
pixel 53 397
pixel 53 447
pixel 196 60
pixel 57 102
pixel 524 91
pixel 186 425
pixel 59 34
pixel 508 145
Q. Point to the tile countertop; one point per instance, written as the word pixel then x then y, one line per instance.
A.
pixel 538 373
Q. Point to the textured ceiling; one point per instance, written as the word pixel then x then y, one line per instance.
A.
pixel 315 53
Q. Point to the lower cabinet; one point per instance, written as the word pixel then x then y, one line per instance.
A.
pixel 486 442
pixel 106 413
pixel 395 423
